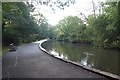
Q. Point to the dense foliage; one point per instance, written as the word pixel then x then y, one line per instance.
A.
pixel 19 26
pixel 101 29
pixel 71 29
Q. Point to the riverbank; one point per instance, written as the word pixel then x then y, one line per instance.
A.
pixel 92 43
pixel 87 68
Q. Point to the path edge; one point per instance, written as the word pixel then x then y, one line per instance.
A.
pixel 97 71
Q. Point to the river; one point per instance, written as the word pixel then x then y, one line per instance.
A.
pixel 87 55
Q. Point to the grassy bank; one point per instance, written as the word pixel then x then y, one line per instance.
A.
pixel 5 49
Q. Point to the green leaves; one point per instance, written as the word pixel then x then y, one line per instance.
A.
pixel 105 27
pixel 102 30
pixel 18 25
pixel 69 28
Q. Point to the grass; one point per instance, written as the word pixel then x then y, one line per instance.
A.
pixel 5 49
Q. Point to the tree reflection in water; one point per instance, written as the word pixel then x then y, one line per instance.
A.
pixel 103 59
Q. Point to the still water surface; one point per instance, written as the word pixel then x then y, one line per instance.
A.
pixel 103 59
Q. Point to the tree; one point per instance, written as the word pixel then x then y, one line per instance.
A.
pixel 105 27
pixel 101 30
pixel 17 24
pixel 71 29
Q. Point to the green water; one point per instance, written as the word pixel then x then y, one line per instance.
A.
pixel 102 59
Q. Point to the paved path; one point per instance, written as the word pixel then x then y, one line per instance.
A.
pixel 30 62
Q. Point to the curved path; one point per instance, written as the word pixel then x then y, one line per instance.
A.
pixel 30 62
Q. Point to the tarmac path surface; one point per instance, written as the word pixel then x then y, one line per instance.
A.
pixel 28 61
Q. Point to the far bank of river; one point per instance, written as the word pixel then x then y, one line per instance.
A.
pixel 103 59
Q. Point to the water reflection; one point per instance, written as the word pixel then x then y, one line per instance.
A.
pixel 85 62
pixel 59 55
pixel 106 60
